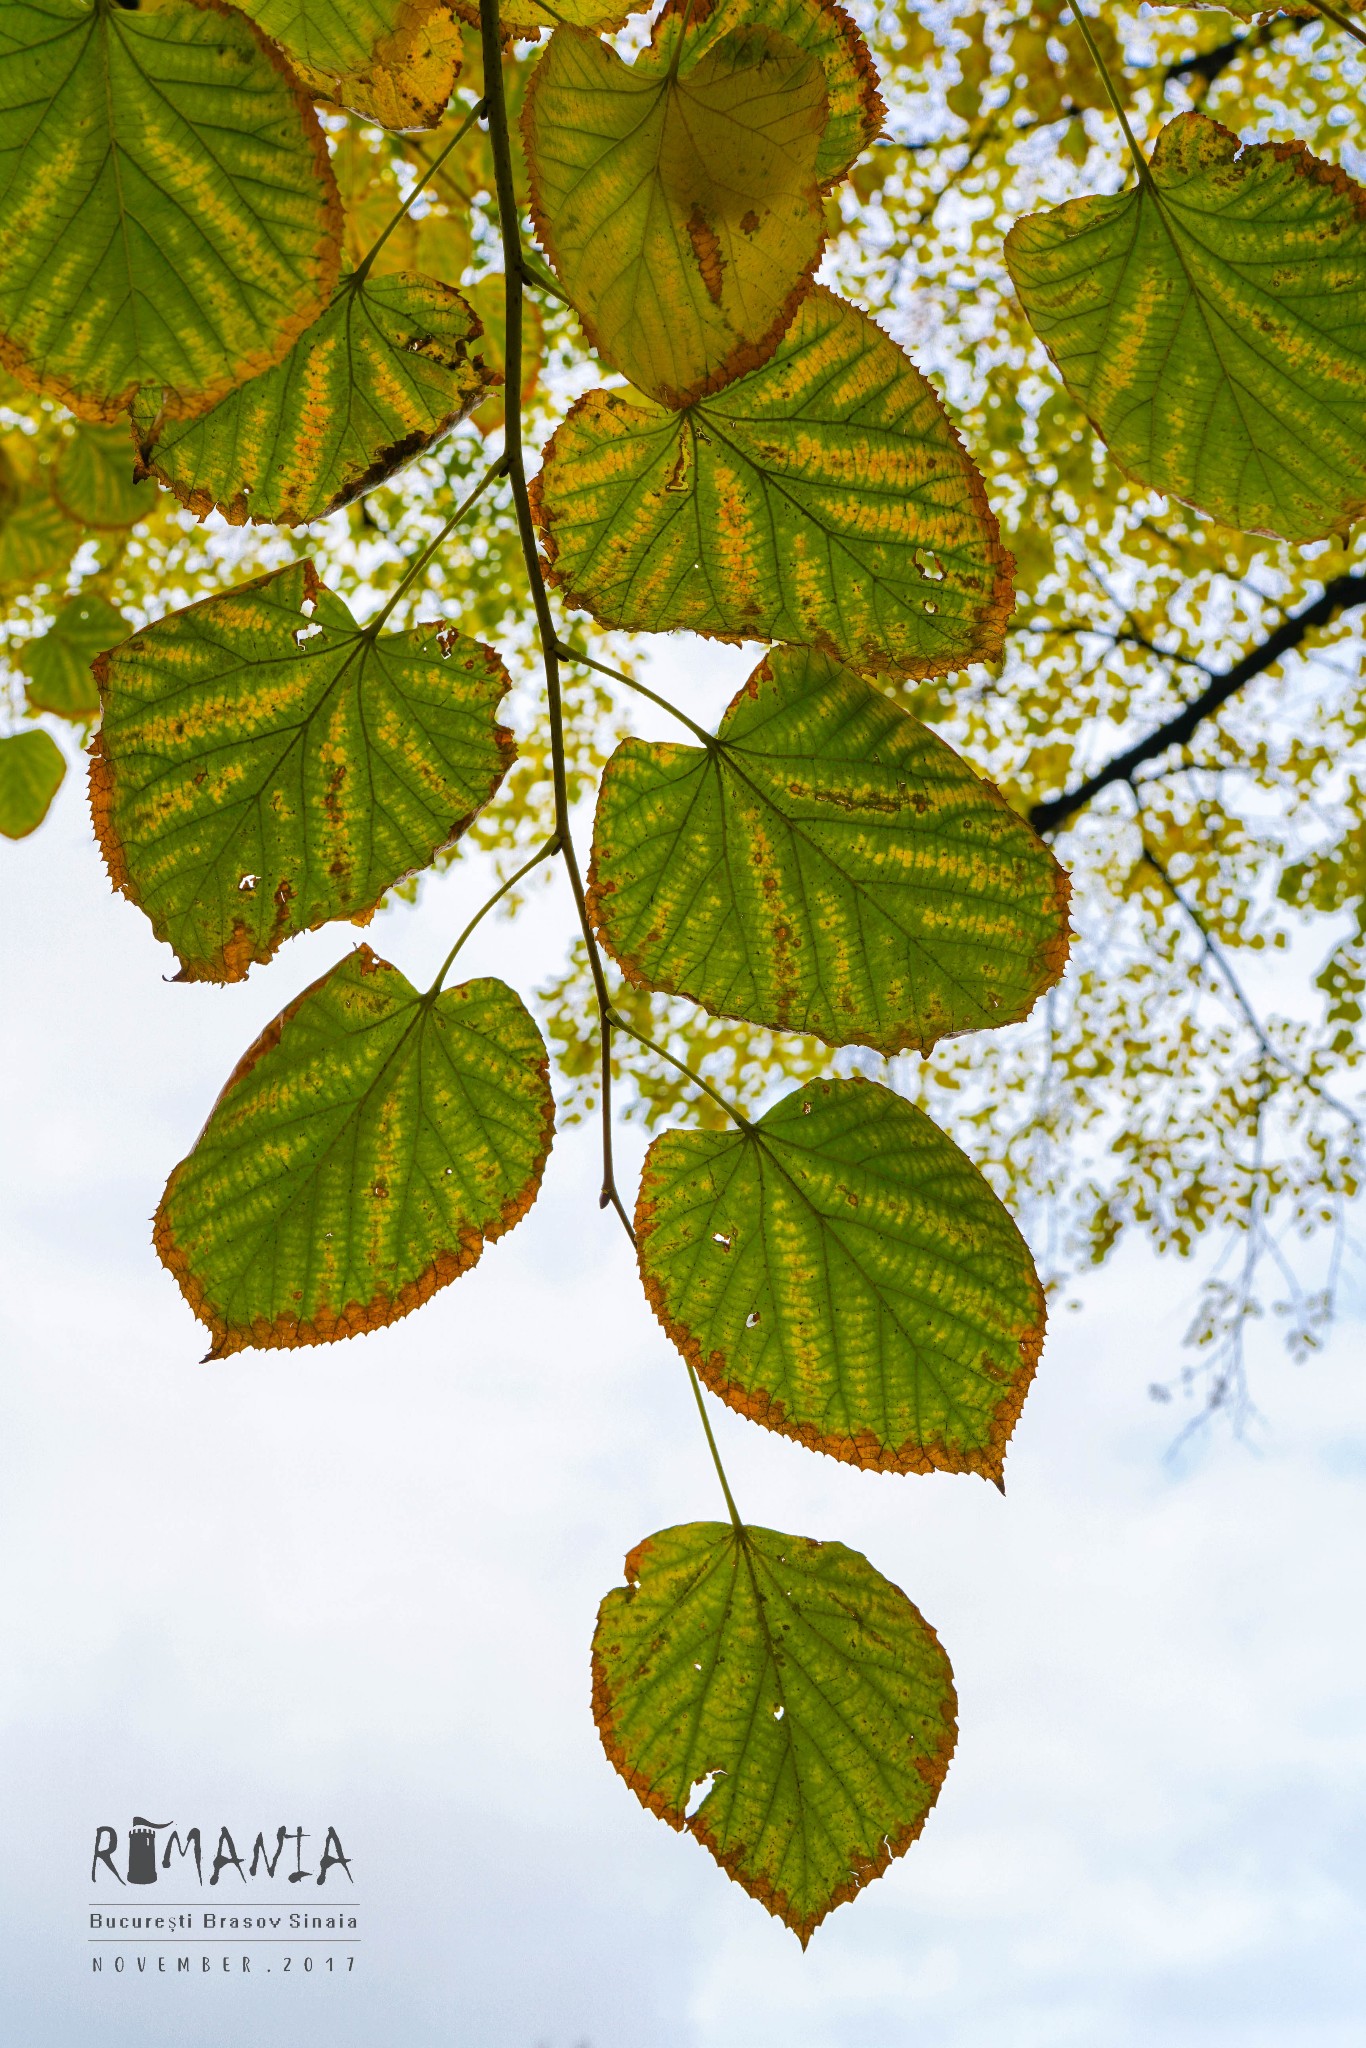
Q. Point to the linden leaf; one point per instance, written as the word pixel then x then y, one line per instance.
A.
pixel 387 370
pixel 679 201
pixel 840 1272
pixel 827 865
pixel 37 540
pixel 265 765
pixel 795 1684
pixel 824 499
pixel 1212 324
pixel 95 482
pixel 168 215
pixel 31 771
pixel 391 61
pixel 365 1150
pixel 527 18
pixel 58 663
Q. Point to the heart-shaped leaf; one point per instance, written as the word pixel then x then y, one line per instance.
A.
pixel 31 771
pixel 57 664
pixel 390 61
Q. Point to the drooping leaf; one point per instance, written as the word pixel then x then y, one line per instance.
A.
pixel 679 199
pixel 168 215
pixel 390 367
pixel 57 663
pixel 265 765
pixel 363 1153
pixel 31 771
pixel 95 483
pixel 827 865
pixel 391 61
pixel 794 1683
pixel 840 1272
pixel 1211 322
pixel 824 499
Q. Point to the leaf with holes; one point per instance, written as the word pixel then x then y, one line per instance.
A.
pixel 678 198
pixel 390 61
pixel 840 1272
pixel 265 765
pixel 31 771
pixel 793 1682
pixel 95 482
pixel 57 664
pixel 824 499
pixel 826 865
pixel 1212 324
pixel 168 215
pixel 363 1153
pixel 390 367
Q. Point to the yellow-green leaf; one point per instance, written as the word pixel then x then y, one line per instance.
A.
pixel 826 865
pixel 31 771
pixel 527 18
pixel 1211 321
pixel 824 499
pixel 840 1272
pixel 265 765
pixel 679 199
pixel 391 61
pixel 57 664
pixel 168 215
pixel 798 1688
pixel 37 540
pixel 365 1150
pixel 390 367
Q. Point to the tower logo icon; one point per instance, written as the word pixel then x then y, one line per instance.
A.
pixel 142 1850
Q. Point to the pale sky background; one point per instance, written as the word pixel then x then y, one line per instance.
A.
pixel 358 1585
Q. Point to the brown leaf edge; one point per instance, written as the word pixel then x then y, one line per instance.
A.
pixel 1046 966
pixel 327 260
pixel 240 951
pixel 387 463
pixel 288 1332
pixel 932 1769
pixel 1228 148
pixel 747 354
pixel 865 1449
pixel 377 90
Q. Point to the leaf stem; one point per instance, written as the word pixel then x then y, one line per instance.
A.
pixel 415 568
pixel 566 653
pixel 362 269
pixel 552 845
pixel 698 1080
pixel 1339 20
pixel 1111 92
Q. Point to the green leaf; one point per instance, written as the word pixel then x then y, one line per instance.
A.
pixel 58 663
pixel 824 499
pixel 365 1150
pixel 31 771
pixel 827 866
pixel 95 483
pixel 678 198
pixel 168 215
pixel 383 374
pixel 840 1272
pixel 391 61
pixel 37 540
pixel 527 18
pixel 1212 324
pixel 265 765
pixel 798 1680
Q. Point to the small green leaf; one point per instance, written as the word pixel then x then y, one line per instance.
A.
pixel 827 866
pixel 795 1678
pixel 31 771
pixel 95 483
pixel 265 765
pixel 389 367
pixel 168 215
pixel 824 499
pixel 1212 324
pixel 840 1272
pixel 678 198
pixel 58 663
pixel 390 61
pixel 37 540
pixel 365 1150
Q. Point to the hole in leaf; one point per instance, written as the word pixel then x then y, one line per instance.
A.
pixel 302 633
pixel 778 1713
pixel 701 1787
pixel 806 1109
pixel 751 1319
pixel 719 1237
pixel 247 883
pixel 930 605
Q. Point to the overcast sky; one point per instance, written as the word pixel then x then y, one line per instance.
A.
pixel 357 1586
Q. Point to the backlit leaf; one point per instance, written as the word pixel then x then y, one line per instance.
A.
pixel 797 1686
pixel 824 499
pixel 168 216
pixel 265 765
pixel 57 663
pixel 679 200
pixel 843 1274
pixel 363 1153
pixel 31 771
pixel 1212 324
pixel 528 17
pixel 391 61
pixel 37 540
pixel 827 866
pixel 391 365
pixel 95 483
